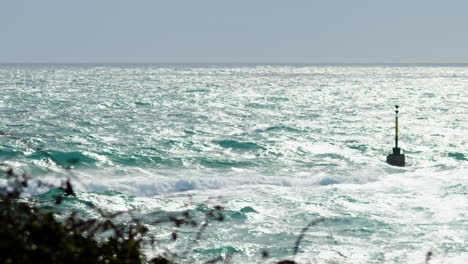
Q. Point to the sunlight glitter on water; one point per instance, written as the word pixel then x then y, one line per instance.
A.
pixel 277 146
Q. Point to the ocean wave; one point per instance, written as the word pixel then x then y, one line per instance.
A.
pixel 69 159
pixel 278 129
pixel 151 182
pixel 239 145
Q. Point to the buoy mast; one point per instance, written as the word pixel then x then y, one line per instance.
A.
pixel 396 158
pixel 396 126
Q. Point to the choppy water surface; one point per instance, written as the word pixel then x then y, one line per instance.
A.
pixel 277 146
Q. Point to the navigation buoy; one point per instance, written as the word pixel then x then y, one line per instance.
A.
pixel 396 158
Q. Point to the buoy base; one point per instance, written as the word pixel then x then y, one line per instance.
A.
pixel 396 158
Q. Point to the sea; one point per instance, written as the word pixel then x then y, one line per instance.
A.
pixel 293 156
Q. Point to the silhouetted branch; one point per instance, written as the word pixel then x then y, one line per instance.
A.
pixel 304 230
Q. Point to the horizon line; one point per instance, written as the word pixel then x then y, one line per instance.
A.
pixel 234 63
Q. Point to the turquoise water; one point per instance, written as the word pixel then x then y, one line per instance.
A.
pixel 278 146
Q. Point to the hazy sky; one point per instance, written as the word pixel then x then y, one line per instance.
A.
pixel 234 31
